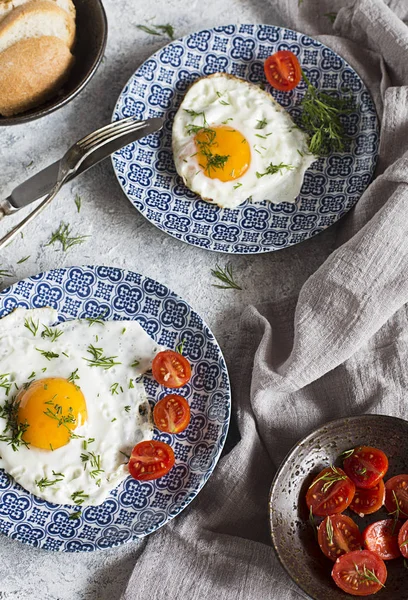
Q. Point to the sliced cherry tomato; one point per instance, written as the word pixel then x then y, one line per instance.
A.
pixel 366 466
pixel 150 460
pixel 396 488
pixel 171 369
pixel 360 573
pixel 172 414
pixel 282 70
pixel 381 537
pixel 366 502
pixel 403 540
pixel 330 493
pixel 338 534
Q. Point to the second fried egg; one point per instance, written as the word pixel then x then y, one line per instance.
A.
pixel 232 141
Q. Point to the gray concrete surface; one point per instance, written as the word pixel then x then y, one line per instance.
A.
pixel 121 237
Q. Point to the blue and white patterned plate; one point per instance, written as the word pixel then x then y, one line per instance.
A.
pixel 133 509
pixel 146 169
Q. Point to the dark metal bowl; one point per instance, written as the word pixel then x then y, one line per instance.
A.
pixel 91 37
pixel 292 534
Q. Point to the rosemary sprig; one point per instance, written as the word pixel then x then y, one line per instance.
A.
pixel 46 354
pixel 63 235
pixel 329 478
pixel 31 326
pixel 98 360
pixel 226 276
pixel 320 119
pixel 272 169
pixel 158 30
pixel 52 333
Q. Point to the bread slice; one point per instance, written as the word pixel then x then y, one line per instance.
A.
pixel 36 19
pixel 6 6
pixel 31 71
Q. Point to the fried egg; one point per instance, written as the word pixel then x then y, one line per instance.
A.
pixel 232 141
pixel 71 403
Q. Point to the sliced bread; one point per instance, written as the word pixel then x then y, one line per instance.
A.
pixel 6 6
pixel 31 71
pixel 36 19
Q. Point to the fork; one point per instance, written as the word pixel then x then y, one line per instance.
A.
pixel 69 165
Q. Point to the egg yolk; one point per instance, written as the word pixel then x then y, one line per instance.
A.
pixel 52 408
pixel 222 152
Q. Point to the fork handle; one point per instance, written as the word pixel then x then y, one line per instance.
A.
pixel 20 226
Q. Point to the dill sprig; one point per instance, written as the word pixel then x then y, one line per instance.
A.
pixel 79 498
pixel 226 276
pixel 74 515
pixel 206 144
pixel 312 522
pixel 44 482
pixel 46 354
pixel 13 431
pixel 63 235
pixel 329 531
pixel 261 124
pixel 73 377
pixel 114 389
pixel 367 575
pixel 5 273
pixel 329 478
pixel 5 383
pixel 272 169
pixel 158 30
pixel 31 326
pixel 22 260
pixel 78 202
pixel 52 333
pixel 320 119
pixel 180 346
pixel 99 319
pixel 98 360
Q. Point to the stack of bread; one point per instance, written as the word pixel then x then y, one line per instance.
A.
pixel 36 40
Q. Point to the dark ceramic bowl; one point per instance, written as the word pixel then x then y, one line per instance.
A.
pixel 292 534
pixel 91 36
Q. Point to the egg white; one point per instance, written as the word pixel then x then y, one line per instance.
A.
pixel 115 429
pixel 225 99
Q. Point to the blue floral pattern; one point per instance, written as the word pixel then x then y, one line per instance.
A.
pixel 133 509
pixel 157 89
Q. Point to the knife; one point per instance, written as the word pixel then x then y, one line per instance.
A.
pixel 40 184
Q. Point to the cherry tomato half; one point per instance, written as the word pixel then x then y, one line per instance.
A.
pixel 338 534
pixel 172 414
pixel 171 369
pixel 330 493
pixel 366 502
pixel 150 460
pixel 360 573
pixel 403 540
pixel 381 537
pixel 366 466
pixel 397 488
pixel 282 70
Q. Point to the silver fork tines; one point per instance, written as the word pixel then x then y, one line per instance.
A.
pixel 73 159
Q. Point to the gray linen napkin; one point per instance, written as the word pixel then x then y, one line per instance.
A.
pixel 342 349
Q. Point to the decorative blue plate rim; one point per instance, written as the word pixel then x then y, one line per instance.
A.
pixel 134 509
pixel 332 186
